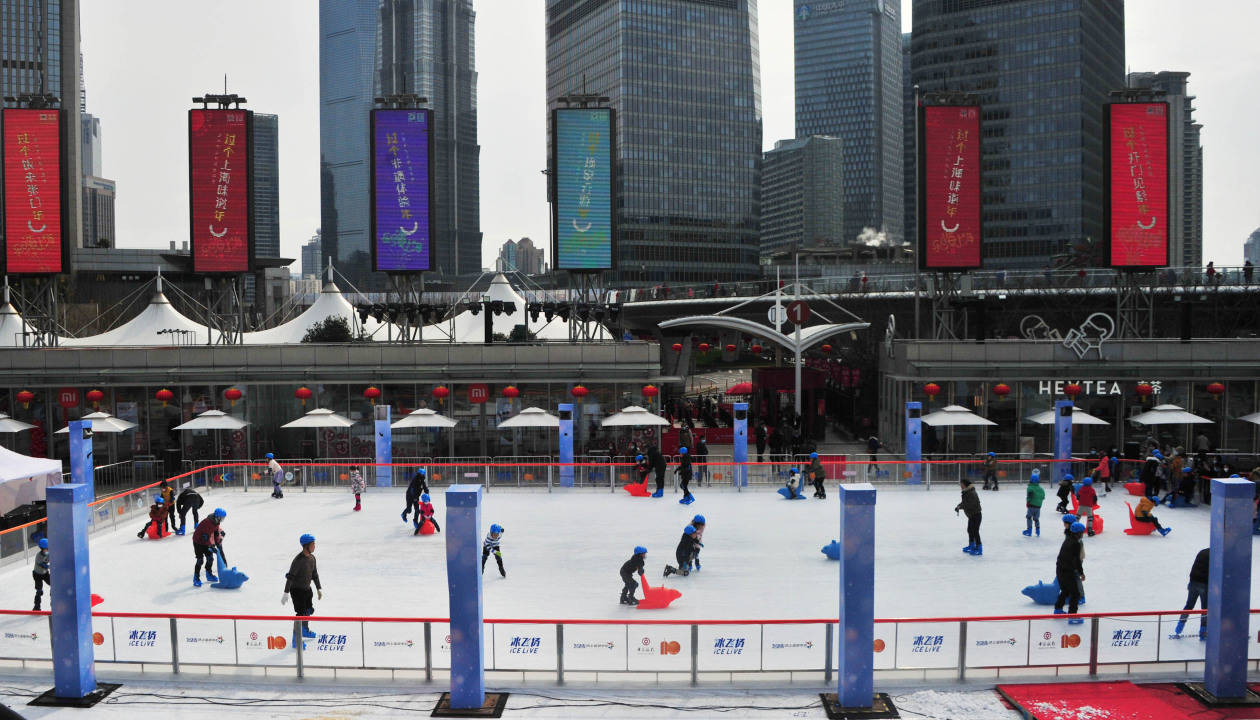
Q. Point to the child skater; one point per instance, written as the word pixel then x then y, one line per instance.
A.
pixel 157 518
pixel 688 546
pixel 491 545
pixel 1065 491
pixel 697 522
pixel 794 483
pixel 40 572
pixel 426 513
pixel 635 565
pixel 357 486
pixel 1035 497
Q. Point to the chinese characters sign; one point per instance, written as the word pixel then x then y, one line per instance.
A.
pixel 951 186
pixel 32 191
pixel 1138 201
pixel 400 190
pixel 582 147
pixel 218 182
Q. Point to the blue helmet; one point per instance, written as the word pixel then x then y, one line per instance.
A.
pixel 420 472
pixel 43 543
pixel 699 519
pixel 1036 474
pixel 496 528
pixel 1069 519
pixel 682 451
pixel 1158 454
pixel 638 458
pixel 424 497
pixel 158 500
pixel 1190 469
pixel 1069 477
pixel 306 539
pixel 813 456
pixel 220 513
pixel 992 454
pixel 1235 475
pixel 1077 527
pixel 690 529
pixel 271 456
pixel 640 550
pixel 1088 481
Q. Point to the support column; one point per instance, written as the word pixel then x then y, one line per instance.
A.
pixel 1229 588
pixel 740 440
pixel 70 597
pixel 914 443
pixel 566 444
pixel 384 447
pixel 81 460
pixel 1062 437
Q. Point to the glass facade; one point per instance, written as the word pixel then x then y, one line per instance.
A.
pixel 801 205
pixel 684 78
pixel 1042 70
pixel 266 159
pixel 372 48
pixel 849 85
pixel 910 199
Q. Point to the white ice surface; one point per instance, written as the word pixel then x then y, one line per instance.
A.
pixel 761 558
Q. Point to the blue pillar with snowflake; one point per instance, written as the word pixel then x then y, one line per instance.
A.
pixel 463 574
pixel 914 443
pixel 741 444
pixel 857 596
pixel 70 594
pixel 566 444
pixel 1229 588
pixel 384 447
pixel 1062 438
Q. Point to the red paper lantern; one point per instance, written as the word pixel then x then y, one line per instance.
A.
pixel 371 393
pixel 164 395
pixel 1145 389
pixel 730 347
pixel 1216 388
pixel 650 391
pixel 1071 390
pixel 303 394
pixel 441 392
pixel 25 397
pixel 932 390
pixel 511 392
pixel 826 349
pixel 704 347
pixel 579 391
pixel 232 394
pixel 1001 389
pixel 677 347
pixel 756 348
pixel 95 396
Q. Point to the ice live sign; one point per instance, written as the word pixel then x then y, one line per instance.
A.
pixel 1139 184
pixel 400 190
pixel 32 191
pixel 583 167
pixel 218 185
pixel 951 186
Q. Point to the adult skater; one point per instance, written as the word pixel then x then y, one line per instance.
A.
pixel 1069 570
pixel 1104 471
pixel 684 475
pixel 759 436
pixel 1086 499
pixel 631 567
pixel 277 476
pixel 188 499
pixel 702 459
pixel 357 486
pixel 816 473
pixel 990 472
pixel 415 489
pixel 297 583
pixel 698 523
pixel 1143 514
pixel 1064 492
pixel 157 518
pixel 40 572
pixel 1196 589
pixel 491 545
pixel 1185 487
pixel 970 504
pixel 1033 500
pixel 657 461
pixel 1150 473
pixel 206 536
pixel 872 448
pixel 168 502
pixel 688 546
pixel 426 513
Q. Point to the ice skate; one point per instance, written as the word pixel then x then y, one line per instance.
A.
pixel 670 570
pixel 632 601
pixel 196 581
pixel 211 577
pixel 1027 533
pixel 658 493
pixel 308 634
pixel 1165 531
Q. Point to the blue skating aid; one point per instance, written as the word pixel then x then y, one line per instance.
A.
pixel 787 494
pixel 1179 502
pixel 1045 593
pixel 229 578
pixel 832 550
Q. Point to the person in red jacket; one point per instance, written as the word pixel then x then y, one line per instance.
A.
pixel 208 536
pixel 157 518
pixel 426 513
pixel 1104 471
pixel 1087 498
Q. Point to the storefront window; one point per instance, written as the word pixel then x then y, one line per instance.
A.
pixel 1240 396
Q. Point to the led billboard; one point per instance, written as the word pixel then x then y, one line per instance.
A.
pixel 219 190
pixel 32 192
pixel 949 181
pixel 401 201
pixel 582 162
pixel 1137 198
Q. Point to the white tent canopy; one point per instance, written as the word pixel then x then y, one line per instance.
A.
pixel 1168 415
pixel 213 420
pixel 330 303
pixel 23 478
pixel 955 415
pixel 11 325
pixel 1079 417
pixel 158 325
pixel 471 328
pixel 9 425
pixel 103 422
pixel 423 418
pixel 531 417
pixel 1253 418
pixel 633 416
pixel 319 418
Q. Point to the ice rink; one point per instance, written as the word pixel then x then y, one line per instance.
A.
pixel 562 551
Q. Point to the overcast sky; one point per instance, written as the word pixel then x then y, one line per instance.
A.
pixel 145 59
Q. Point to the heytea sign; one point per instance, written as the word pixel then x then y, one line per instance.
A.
pixel 1088 387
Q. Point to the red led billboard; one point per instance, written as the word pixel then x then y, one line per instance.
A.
pixel 32 192
pixel 1137 200
pixel 949 200
pixel 218 190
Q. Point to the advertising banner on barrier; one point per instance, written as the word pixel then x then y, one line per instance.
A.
pixel 1253 647
pixel 265 642
pixel 336 644
pixel 997 644
pixel 1180 646
pixel 25 637
pixel 885 646
pixel 594 647
pixel 393 645
pixel 142 640
pixel 1054 642
pixel 659 648
pixel 441 637
pixel 524 647
pixel 1127 639
pixel 209 642
pixel 927 645
pixel 728 647
pixel 793 647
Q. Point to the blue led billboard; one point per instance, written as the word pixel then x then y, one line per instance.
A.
pixel 401 220
pixel 582 157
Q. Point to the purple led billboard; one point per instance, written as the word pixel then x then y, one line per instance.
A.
pixel 401 220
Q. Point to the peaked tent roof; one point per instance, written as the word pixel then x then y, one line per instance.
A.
pixel 471 328
pixel 330 303
pixel 143 329
pixel 12 326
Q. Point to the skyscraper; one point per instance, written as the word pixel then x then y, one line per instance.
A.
pixel 1042 70
pixel 849 85
pixel 801 200
pixel 375 48
pixel 910 198
pixel 684 78
pixel 1185 166
pixel 1251 248
pixel 39 55
pixel 266 161
pixel 312 256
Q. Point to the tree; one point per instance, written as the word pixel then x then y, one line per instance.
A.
pixel 520 334
pixel 335 329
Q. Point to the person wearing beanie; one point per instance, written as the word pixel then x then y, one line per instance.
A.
pixel 1069 571
pixel 297 584
pixel 1035 496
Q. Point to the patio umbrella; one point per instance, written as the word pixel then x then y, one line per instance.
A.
pixel 103 422
pixel 213 420
pixel 740 388
pixel 320 418
pixel 1079 417
pixel 426 418
pixel 9 425
pixel 531 417
pixel 1168 415
pixel 1253 418
pixel 634 416
pixel 955 415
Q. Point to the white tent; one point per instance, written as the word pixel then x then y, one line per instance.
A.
pixel 11 325
pixel 951 415
pixel 157 325
pixel 1168 415
pixel 1079 417
pixel 23 478
pixel 213 420
pixel 330 303
pixel 423 418
pixel 634 416
pixel 103 422
pixel 531 417
pixel 471 328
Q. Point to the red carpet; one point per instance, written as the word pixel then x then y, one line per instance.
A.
pixel 1114 701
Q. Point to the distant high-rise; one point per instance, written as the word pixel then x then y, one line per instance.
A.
pixel 909 126
pixel 39 55
pixel 1042 70
pixel 1185 166
pixel 849 85
pixel 801 200
pixel 1251 248
pixel 98 212
pixel 375 48
pixel 90 145
pixel 684 78
pixel 312 256
pixel 266 161
pixel 522 256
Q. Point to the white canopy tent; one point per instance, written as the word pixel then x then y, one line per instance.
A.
pixel 1168 415
pixel 531 417
pixel 1253 418
pixel 157 325
pixel 11 324
pixel 423 418
pixel 103 422
pixel 330 303
pixel 956 416
pixel 319 418
pixel 634 416
pixel 213 420
pixel 471 328
pixel 1079 417
pixel 23 479
pixel 9 425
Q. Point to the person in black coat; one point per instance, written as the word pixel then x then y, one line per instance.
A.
pixel 1197 589
pixel 657 461
pixel 1069 570
pixel 702 457
pixel 970 504
pixel 630 568
pixel 760 435
pixel 418 487
pixel 188 499
pixel 684 473
pixel 688 545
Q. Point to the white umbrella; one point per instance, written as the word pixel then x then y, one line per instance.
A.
pixel 213 420
pixel 955 415
pixel 320 418
pixel 9 425
pixel 1253 418
pixel 103 422
pixel 633 416
pixel 424 418
pixel 531 417
pixel 1168 415
pixel 1079 417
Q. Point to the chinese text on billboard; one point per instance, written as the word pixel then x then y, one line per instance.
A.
pixel 583 156
pixel 219 190
pixel 951 187
pixel 1139 184
pixel 400 168
pixel 32 191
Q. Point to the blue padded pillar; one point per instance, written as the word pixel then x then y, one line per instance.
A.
pixel 857 595
pixel 740 440
pixel 914 443
pixel 384 447
pixel 1062 437
pixel 566 444
pixel 70 597
pixel 1229 588
pixel 463 576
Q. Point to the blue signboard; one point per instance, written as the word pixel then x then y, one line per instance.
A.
pixel 401 149
pixel 582 162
